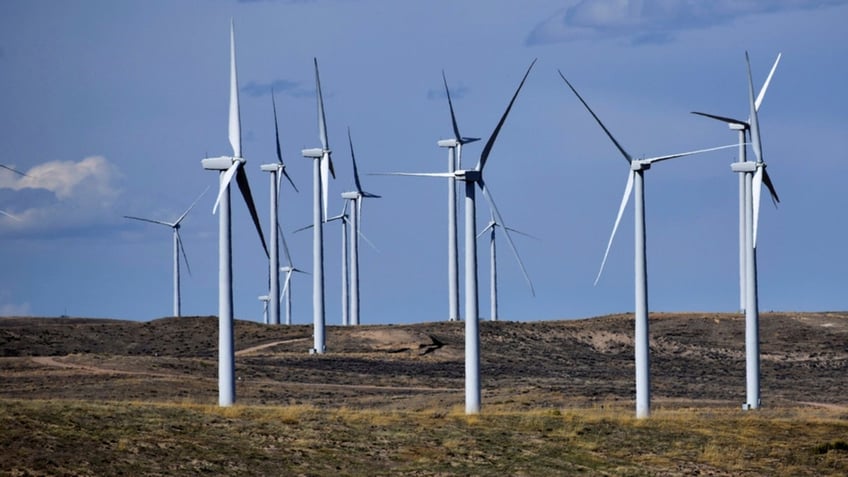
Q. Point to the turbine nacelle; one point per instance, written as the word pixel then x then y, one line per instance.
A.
pixel 353 195
pixel 471 175
pixel 274 167
pixel 640 166
pixel 448 143
pixel 747 166
pixel 220 163
pixel 314 153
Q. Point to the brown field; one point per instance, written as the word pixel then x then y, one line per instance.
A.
pixel 387 400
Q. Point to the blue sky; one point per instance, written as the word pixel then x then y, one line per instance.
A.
pixel 110 106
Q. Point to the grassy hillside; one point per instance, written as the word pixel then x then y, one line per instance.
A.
pixel 75 438
pixel 112 397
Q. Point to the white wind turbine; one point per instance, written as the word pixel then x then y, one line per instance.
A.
pixel 178 247
pixel 323 166
pixel 493 261
pixel 454 146
pixel 264 299
pixel 474 178
pixel 229 166
pixel 743 128
pixel 289 269
pixel 277 170
pixel 355 197
pixel 635 181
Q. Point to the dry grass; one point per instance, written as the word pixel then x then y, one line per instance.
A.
pixel 46 438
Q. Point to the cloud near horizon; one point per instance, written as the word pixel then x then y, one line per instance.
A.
pixel 652 21
pixel 60 195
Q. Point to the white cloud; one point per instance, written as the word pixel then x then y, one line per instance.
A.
pixel 60 195
pixel 644 21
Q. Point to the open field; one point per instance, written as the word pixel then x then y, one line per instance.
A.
pixel 387 400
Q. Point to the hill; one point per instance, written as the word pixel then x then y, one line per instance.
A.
pixel 111 397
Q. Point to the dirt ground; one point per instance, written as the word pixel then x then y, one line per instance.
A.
pixel 697 360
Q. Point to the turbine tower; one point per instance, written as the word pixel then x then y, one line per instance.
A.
pixel 743 128
pixel 322 166
pixel 454 147
pixel 635 181
pixel 474 178
pixel 355 198
pixel 178 247
pixel 227 167
pixel 277 171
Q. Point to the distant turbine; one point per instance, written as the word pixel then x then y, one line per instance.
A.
pixel 229 166
pixel 493 261
pixel 743 127
pixel 323 165
pixel 277 170
pixel 178 247
pixel 355 197
pixel 454 146
pixel 472 178
pixel 289 269
pixel 636 178
pixel 264 299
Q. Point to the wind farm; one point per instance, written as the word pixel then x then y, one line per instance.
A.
pixel 744 300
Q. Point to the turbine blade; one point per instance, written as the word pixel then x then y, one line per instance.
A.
pixel 322 121
pixel 627 190
pixel 767 181
pixel 353 158
pixel 722 118
pixel 651 160
pixel 487 149
pixel 285 245
pixel 369 242
pixel 760 96
pixel 14 170
pixel 286 285
pixel 225 183
pixel 609 134
pixel 488 194
pixel 9 215
pixel 755 123
pixel 283 172
pixel 244 186
pixel 235 119
pixel 756 192
pixel 182 249
pixel 456 134
pixel 191 206
pixel 522 233
pixel 414 174
pixel 276 128
pixel 325 183
pixel 148 220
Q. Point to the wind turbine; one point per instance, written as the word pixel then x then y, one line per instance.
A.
pixel 277 170
pixel 288 269
pixel 743 128
pixel 474 178
pixel 178 247
pixel 228 167
pixel 493 261
pixel 344 218
pixel 355 197
pixel 635 181
pixel 323 165
pixel 264 299
pixel 454 146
